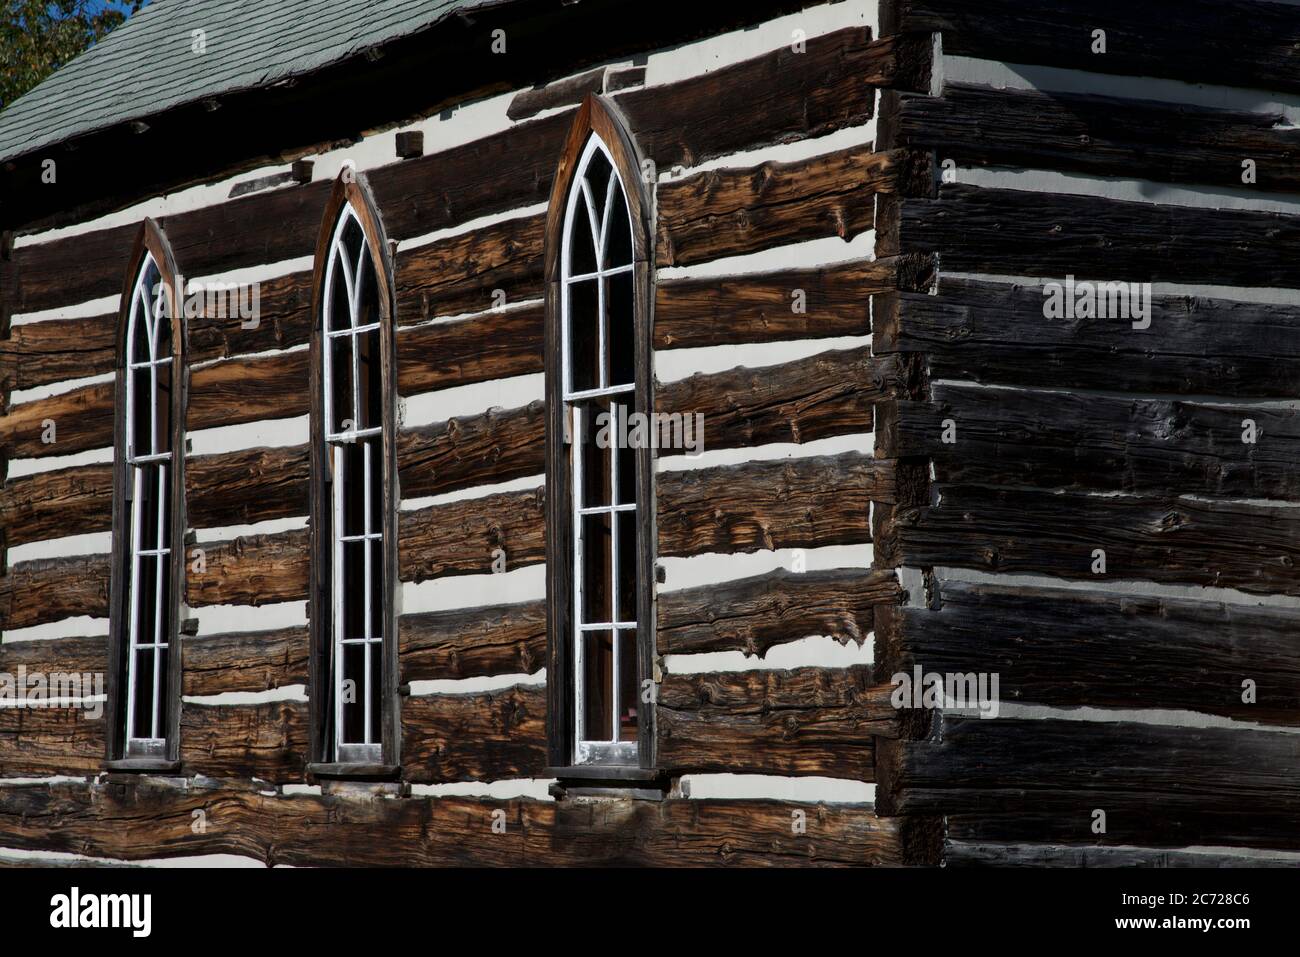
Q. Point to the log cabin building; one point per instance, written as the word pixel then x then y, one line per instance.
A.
pixel 520 432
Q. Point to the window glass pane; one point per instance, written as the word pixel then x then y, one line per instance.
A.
pixel 627 549
pixel 161 532
pixel 627 455
pixel 374 649
pixel 141 411
pixel 369 381
pixel 596 568
pixel 160 725
pixel 597 686
pixel 597 174
pixel 354 694
pixel 584 335
pixel 143 679
pixel 595 460
pixel 146 505
pixel 340 313
pixel 146 596
pixel 375 494
pixel 352 486
pixel 619 328
pixel 376 589
pixel 353 598
pixel 618 236
pixel 162 436
pixel 342 418
pixel 629 698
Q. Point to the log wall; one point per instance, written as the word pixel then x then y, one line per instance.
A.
pixel 768 178
pixel 1108 516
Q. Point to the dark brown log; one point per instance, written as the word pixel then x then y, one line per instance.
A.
pixel 730 212
pixel 496 446
pixel 493 346
pixel 463 537
pixel 761 308
pixel 807 721
pixel 832 393
pixel 754 614
pixel 795 503
pixel 1053 439
pixel 1247 546
pixel 88 655
pixel 1248 44
pixel 284 319
pixel 566 92
pixel 965 854
pixel 244 661
pixel 251 570
pixel 1020 232
pixel 40 742
pixel 470 642
pixel 254 485
pixel 997 333
pixel 53 504
pixel 1043 779
pixel 247 390
pixel 266 741
pixel 1106 136
pixel 39 353
pixel 48 589
pixel 470 737
pixel 151 818
pixel 82 419
pixel 1071 648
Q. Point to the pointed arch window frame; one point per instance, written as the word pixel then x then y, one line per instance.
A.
pixel 596 117
pixel 351 196
pixel 125 751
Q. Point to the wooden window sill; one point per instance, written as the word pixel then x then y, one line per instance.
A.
pixel 354 772
pixel 143 765
pixel 610 775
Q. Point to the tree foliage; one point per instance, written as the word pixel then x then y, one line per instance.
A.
pixel 39 36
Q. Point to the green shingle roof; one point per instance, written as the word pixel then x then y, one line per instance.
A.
pixel 148 65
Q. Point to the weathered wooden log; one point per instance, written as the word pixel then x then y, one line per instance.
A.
pixel 41 742
pixel 1103 135
pixel 566 92
pixel 72 655
pixel 967 854
pixel 820 721
pixel 1250 44
pixel 1071 648
pixel 247 390
pixel 249 570
pixel 72 421
pixel 1020 232
pixel 1054 439
pixel 998 333
pixel 254 485
pixel 48 589
pixel 152 818
pixel 496 446
pixel 494 346
pixel 754 614
pixel 1024 779
pixel 730 212
pixel 795 503
pixel 53 504
pixel 38 353
pixel 495 532
pixel 471 642
pixel 266 741
pixel 247 661
pixel 471 737
pixel 1191 541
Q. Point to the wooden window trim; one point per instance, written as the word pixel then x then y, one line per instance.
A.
pixel 597 115
pixel 150 241
pixel 351 190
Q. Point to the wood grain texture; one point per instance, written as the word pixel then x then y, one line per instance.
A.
pixel 56 503
pixel 1020 232
pixel 40 742
pixel 149 818
pixel 754 614
pixel 1054 439
pixel 474 737
pixel 1184 541
pixel 806 721
pixel 471 642
pixel 1250 44
pixel 1071 648
pixel 1102 135
pixel 47 589
pixel 241 488
pixel 1159 785
pixel 997 333
pixel 246 661
pixel 266 741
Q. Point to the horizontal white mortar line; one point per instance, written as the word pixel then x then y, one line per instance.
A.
pixel 21 396
pixel 456 592
pixel 674 365
pixel 717 568
pixel 208 536
pixel 529 788
pixel 79 310
pixel 93 543
pixel 274 433
pixel 1260 294
pixel 1016 76
pixel 77 626
pixel 219 619
pixel 477 685
pixel 473 399
pixel 50 463
pixel 526 483
pixel 811 651
pixel 285 693
pixel 811 254
pixel 863 442
pixel 1166 717
pixel 817 790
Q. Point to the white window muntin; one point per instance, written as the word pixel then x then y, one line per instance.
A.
pixel 147 463
pixel 589 749
pixel 353 272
